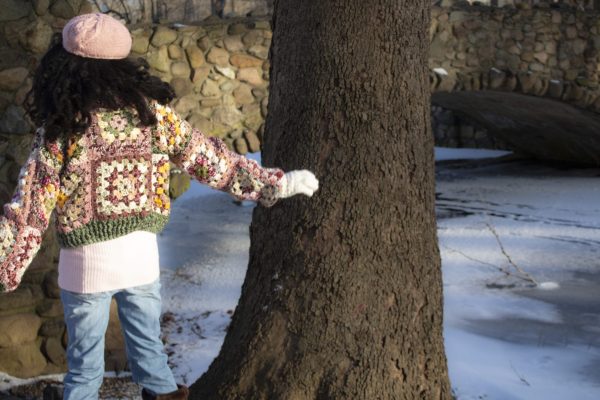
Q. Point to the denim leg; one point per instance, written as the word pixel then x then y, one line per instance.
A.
pixel 86 317
pixel 139 313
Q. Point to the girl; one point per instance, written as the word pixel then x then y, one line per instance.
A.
pixel 101 159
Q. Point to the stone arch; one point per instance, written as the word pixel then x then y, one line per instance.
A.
pixel 521 75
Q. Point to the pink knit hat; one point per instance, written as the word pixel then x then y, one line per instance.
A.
pixel 96 36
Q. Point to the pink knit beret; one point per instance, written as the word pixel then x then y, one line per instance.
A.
pixel 96 36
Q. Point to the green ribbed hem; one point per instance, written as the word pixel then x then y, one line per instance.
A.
pixel 100 231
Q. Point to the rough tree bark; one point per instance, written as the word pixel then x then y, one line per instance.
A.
pixel 343 295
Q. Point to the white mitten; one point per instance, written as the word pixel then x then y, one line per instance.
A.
pixel 299 182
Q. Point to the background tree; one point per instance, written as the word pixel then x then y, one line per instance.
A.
pixel 343 295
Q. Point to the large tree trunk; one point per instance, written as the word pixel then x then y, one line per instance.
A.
pixel 343 295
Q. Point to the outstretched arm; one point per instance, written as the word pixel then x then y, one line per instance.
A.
pixel 210 161
pixel 27 216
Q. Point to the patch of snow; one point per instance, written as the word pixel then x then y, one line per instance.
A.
pixel 8 381
pixel 446 153
pixel 549 285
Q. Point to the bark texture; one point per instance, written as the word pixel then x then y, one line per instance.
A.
pixel 343 295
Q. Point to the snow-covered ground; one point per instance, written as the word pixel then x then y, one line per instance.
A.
pixel 505 340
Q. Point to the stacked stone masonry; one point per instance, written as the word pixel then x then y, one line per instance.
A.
pixel 220 71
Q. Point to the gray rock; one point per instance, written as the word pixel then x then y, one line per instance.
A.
pixel 199 75
pixel 259 93
pixel 252 116
pixel 204 43
pixel 51 287
pixel 210 102
pixel 14 9
pixel 159 59
pixel 240 145
pixel 227 72
pixel 210 89
pixel 175 52
pixel 259 51
pixel 228 86
pixel 253 142
pixel 14 121
pixel 245 61
pixel 186 104
pixel 195 56
pixel 200 122
pixel 252 38
pixel 579 46
pixel 571 32
pixel 11 79
pixel 181 86
pixel 496 78
pixel 264 107
pixel 163 36
pixel 22 92
pixel 264 25
pixel 53 350
pixel 18 329
pixel 251 75
pixel 526 81
pixel 233 43
pixel 52 328
pixel 446 82
pixel 50 308
pixel 541 57
pixel 64 9
pixel 41 6
pixel 19 299
pixel 237 28
pixel 181 69
pixel 37 37
pixel 218 57
pixel 141 42
pixel 243 95
pixel 228 115
pixel 23 361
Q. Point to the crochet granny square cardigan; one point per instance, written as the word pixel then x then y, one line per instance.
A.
pixel 113 180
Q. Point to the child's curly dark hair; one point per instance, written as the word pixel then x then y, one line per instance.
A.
pixel 67 88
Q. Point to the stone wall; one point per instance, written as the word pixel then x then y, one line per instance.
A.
pixel 32 331
pixel 541 51
pixel 220 71
pixel 451 130
pixel 560 45
pixel 164 11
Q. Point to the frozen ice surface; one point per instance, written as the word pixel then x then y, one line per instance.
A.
pixel 505 339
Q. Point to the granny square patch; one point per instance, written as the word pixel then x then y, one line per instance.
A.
pixel 123 187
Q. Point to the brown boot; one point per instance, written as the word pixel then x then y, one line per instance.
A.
pixel 181 393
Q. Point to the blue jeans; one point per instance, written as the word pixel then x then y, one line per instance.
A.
pixel 86 317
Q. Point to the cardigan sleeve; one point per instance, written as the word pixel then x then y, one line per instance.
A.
pixel 208 160
pixel 27 215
